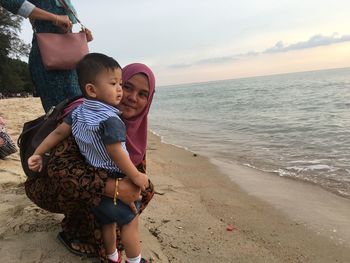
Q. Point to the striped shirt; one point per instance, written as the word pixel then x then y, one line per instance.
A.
pixel 95 124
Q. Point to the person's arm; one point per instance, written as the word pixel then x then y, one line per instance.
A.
pixel 35 162
pixel 128 192
pixel 59 134
pixel 18 7
pixel 113 133
pixel 28 10
pixel 122 160
pixel 61 21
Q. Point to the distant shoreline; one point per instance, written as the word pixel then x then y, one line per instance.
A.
pixel 252 77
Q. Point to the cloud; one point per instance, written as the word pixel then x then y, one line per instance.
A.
pixel 215 60
pixel 248 54
pixel 314 41
pixel 227 58
pixel 179 66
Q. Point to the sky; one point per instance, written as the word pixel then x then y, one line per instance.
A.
pixel 187 41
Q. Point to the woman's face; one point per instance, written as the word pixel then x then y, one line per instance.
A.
pixel 135 96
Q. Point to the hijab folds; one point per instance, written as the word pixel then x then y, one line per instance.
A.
pixel 136 127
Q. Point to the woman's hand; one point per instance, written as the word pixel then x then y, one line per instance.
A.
pixel 88 34
pixel 63 22
pixel 128 192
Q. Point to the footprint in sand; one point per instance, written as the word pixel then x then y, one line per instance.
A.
pixel 35 255
pixel 12 188
pixel 28 219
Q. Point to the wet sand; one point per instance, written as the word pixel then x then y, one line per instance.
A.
pixel 187 221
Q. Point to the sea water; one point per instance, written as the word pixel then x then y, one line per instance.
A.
pixel 295 125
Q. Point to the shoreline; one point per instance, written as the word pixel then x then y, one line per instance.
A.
pixel 263 233
pixel 309 204
pixel 309 196
pixel 249 166
pixel 186 222
pixel 300 200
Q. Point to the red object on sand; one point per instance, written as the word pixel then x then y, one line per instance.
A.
pixel 230 227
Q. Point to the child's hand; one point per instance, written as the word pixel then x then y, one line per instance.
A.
pixel 35 163
pixel 141 181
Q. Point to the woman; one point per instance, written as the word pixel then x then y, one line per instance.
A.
pixel 72 187
pixel 47 16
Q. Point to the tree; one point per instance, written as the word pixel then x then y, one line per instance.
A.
pixel 10 44
pixel 14 75
pixel 16 78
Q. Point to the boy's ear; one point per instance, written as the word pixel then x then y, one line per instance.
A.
pixel 90 90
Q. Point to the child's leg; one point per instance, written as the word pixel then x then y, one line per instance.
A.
pixel 109 238
pixel 131 238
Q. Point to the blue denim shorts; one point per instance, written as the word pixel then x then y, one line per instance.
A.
pixel 107 212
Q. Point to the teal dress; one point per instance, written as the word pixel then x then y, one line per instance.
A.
pixel 55 85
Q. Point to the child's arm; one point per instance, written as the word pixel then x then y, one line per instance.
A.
pixel 59 134
pixel 118 155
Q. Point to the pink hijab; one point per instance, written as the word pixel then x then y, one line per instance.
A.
pixel 136 127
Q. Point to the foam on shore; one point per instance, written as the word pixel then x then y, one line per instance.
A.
pixel 305 203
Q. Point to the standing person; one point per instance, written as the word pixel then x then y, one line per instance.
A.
pixel 48 16
pixel 73 187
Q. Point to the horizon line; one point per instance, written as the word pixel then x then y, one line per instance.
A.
pixel 250 77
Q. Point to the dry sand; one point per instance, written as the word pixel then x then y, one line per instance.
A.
pixel 187 221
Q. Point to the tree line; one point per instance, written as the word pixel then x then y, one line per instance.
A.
pixel 14 73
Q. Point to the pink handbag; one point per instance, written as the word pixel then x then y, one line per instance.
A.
pixel 62 51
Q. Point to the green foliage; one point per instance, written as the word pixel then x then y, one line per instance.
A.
pixel 10 44
pixel 14 74
pixel 16 78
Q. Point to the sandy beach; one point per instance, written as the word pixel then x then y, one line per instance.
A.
pixel 273 219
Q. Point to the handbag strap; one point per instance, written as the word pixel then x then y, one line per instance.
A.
pixel 66 7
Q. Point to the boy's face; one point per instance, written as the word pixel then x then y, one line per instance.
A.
pixel 108 87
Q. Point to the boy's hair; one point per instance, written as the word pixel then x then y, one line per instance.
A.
pixel 91 65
